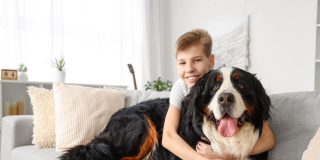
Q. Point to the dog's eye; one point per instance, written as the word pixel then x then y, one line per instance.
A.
pixel 240 85
pixel 215 86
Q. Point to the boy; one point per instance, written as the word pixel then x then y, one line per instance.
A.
pixel 193 60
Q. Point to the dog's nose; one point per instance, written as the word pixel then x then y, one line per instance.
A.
pixel 226 99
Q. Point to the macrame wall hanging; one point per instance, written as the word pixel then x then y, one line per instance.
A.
pixel 231 42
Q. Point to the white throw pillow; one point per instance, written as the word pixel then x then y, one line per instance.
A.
pixel 43 123
pixel 313 150
pixel 82 112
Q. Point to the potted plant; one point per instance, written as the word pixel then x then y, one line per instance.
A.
pixel 159 85
pixel 59 73
pixel 22 72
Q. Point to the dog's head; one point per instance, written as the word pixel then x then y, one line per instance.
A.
pixel 229 98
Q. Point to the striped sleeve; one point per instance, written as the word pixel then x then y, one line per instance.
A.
pixel 178 92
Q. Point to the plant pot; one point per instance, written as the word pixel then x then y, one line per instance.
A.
pixel 59 76
pixel 22 76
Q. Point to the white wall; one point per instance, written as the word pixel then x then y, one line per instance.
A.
pixel 282 33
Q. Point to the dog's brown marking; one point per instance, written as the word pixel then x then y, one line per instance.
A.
pixel 218 77
pixel 208 114
pixel 150 141
pixel 206 111
pixel 249 108
pixel 235 76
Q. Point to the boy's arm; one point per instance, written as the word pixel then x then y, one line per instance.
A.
pixel 172 141
pixel 265 142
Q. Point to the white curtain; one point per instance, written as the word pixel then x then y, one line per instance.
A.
pixel 98 38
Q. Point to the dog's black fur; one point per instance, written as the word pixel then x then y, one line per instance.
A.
pixel 130 128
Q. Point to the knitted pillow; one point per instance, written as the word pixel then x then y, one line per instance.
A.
pixel 43 111
pixel 82 112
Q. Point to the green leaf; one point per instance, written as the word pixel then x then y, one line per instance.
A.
pixel 158 85
pixel 22 68
pixel 60 63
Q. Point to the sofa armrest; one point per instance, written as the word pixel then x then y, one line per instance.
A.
pixel 16 131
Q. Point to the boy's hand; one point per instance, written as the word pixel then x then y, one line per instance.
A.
pixel 206 151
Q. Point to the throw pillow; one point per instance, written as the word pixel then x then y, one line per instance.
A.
pixel 43 110
pixel 313 150
pixel 82 112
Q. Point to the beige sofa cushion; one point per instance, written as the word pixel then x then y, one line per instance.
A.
pixel 82 112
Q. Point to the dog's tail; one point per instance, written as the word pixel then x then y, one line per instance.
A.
pixel 91 151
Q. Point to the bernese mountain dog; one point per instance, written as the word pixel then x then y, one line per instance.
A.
pixel 226 106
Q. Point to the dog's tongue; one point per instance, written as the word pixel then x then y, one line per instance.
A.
pixel 228 126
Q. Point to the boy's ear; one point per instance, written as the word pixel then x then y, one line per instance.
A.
pixel 211 58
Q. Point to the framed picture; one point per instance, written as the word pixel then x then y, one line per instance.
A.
pixel 9 74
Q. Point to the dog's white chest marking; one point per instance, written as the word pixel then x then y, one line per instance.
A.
pixel 239 145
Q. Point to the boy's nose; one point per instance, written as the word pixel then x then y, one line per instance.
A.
pixel 190 68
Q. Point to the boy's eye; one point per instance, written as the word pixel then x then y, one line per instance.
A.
pixel 182 63
pixel 198 60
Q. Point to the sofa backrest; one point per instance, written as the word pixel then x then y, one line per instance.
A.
pixel 295 117
pixel 136 96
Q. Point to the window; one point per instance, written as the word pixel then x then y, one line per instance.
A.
pixel 97 38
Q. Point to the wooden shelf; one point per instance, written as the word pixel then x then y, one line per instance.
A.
pixel 50 83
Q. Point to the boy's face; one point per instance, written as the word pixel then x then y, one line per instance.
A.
pixel 192 64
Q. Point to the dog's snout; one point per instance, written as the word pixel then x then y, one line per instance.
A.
pixel 226 99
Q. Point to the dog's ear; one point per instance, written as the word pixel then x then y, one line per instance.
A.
pixel 201 91
pixel 195 97
pixel 191 123
pixel 263 98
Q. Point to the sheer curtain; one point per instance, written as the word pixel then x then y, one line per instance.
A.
pixel 98 38
pixel 25 36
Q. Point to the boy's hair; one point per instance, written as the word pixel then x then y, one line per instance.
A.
pixel 195 37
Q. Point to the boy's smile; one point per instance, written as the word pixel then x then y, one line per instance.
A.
pixel 192 64
pixel 191 80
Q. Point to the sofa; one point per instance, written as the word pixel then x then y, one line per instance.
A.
pixel 295 120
